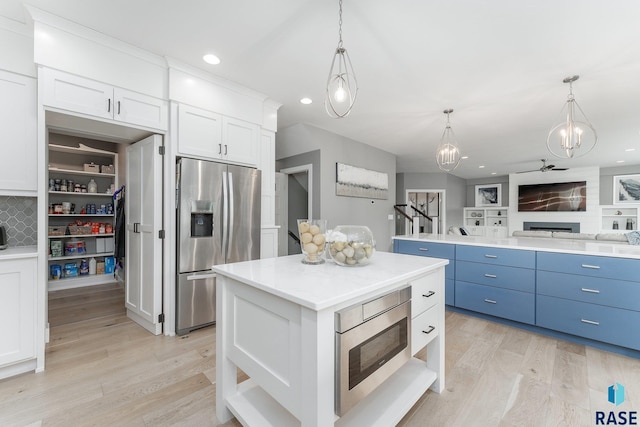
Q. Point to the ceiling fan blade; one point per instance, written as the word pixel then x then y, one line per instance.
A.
pixel 535 170
pixel 560 169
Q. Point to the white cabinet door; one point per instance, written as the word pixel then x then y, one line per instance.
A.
pixel 139 109
pixel 240 141
pixel 267 165
pixel 73 93
pixel 269 242
pixel 85 96
pixel 199 132
pixel 143 206
pixel 17 310
pixel 19 139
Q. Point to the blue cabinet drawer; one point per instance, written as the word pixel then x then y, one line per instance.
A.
pixel 606 324
pixel 428 249
pixel 590 265
pixel 609 292
pixel 449 292
pixel 506 303
pixel 498 256
pixel 435 250
pixel 520 279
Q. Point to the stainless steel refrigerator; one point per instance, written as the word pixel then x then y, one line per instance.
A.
pixel 218 222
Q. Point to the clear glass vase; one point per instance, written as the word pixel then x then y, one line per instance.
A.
pixel 312 234
pixel 351 245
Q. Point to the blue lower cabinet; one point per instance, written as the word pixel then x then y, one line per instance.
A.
pixel 607 324
pixel 499 302
pixel 516 278
pixel 449 292
pixel 497 256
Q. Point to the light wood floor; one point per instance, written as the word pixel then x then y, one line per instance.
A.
pixel 104 370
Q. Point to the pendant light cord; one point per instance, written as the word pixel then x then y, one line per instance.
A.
pixel 340 26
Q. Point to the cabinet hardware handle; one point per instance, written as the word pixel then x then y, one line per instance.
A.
pixel 493 276
pixel 595 267
pixel 429 294
pixel 490 301
pixel 219 148
pixel 109 106
pixel 490 256
pixel 118 107
pixel 225 149
pixel 590 322
pixel 423 249
pixel 431 328
pixel 592 291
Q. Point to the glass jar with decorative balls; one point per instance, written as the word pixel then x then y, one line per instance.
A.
pixel 311 233
pixel 351 245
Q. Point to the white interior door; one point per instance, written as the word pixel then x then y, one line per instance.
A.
pixel 143 215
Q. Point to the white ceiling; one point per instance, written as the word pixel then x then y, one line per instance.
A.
pixel 498 63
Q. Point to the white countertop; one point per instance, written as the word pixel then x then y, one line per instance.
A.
pixel 322 286
pixel 545 244
pixel 19 252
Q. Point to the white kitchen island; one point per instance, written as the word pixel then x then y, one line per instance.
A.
pixel 275 321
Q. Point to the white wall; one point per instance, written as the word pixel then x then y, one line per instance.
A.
pixel 589 220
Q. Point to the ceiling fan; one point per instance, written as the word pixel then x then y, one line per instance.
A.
pixel 545 167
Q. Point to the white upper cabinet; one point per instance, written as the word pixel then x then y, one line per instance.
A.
pixel 199 132
pixel 240 141
pixel 85 96
pixel 19 173
pixel 213 136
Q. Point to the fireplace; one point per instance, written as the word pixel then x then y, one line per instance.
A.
pixel 570 227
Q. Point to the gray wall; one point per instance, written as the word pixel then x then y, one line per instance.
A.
pixel 471 188
pixel 309 158
pixel 455 191
pixel 340 210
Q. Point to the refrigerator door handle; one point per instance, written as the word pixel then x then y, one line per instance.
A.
pixel 225 214
pixel 201 276
pixel 231 211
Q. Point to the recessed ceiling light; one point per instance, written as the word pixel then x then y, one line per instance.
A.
pixel 481 167
pixel 630 149
pixel 306 101
pixel 493 173
pixel 619 161
pixel 211 59
pixel 464 157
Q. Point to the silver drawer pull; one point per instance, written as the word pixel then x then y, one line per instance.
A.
pixel 431 328
pixel 490 256
pixel 423 249
pixel 591 291
pixel 431 293
pixel 493 276
pixel 490 301
pixel 595 267
pixel 590 322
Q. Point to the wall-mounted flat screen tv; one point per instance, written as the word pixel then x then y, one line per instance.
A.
pixel 553 197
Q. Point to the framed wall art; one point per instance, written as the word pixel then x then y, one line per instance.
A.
pixel 352 181
pixel 489 195
pixel 626 189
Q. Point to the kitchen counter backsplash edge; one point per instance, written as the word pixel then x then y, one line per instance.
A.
pixel 17 252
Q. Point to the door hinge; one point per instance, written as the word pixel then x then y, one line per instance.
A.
pixel 161 150
pixel 161 318
pixel 161 234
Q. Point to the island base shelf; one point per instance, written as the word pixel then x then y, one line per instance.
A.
pixel 385 406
